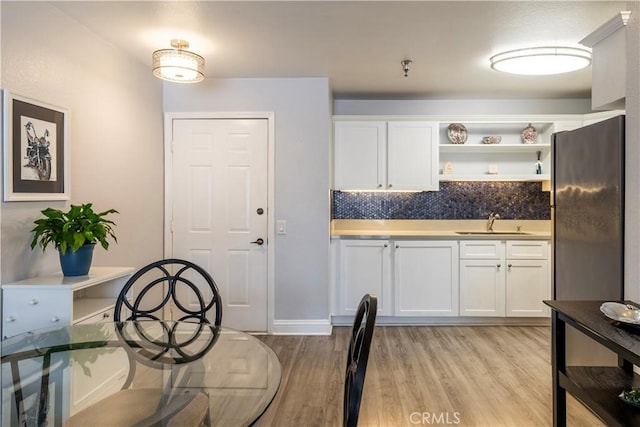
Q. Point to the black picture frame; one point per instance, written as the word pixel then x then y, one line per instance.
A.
pixel 36 150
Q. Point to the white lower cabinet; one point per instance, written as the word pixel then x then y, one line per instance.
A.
pixel 482 288
pixel 54 300
pixel 422 280
pixel 482 280
pixel 425 278
pixel 500 278
pixel 441 278
pixel 364 266
pixel 528 278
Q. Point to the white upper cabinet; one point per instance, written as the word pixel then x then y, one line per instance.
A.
pixel 412 156
pixel 382 155
pixel 359 155
pixel 414 153
pixel 609 60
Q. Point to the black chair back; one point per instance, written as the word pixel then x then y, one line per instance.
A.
pixel 359 344
pixel 165 280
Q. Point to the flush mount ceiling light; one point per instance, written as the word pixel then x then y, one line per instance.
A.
pixel 178 65
pixel 541 60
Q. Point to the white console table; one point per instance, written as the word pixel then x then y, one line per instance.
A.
pixel 56 300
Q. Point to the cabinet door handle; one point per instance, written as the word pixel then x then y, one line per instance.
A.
pixel 390 185
pixel 379 185
pixel 509 265
pixel 386 246
pixel 11 319
pixel 499 265
pixel 105 316
pixel 55 319
pixel 34 301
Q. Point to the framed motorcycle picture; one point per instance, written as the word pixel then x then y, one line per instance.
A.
pixel 36 150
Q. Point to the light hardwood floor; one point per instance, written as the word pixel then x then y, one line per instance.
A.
pixel 444 375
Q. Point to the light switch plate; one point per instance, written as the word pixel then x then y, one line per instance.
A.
pixel 281 227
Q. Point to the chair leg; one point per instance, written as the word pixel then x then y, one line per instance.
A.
pixel 43 406
pixel 17 393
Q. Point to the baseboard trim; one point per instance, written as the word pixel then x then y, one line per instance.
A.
pixel 448 321
pixel 302 327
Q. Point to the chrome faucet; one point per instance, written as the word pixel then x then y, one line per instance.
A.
pixel 491 220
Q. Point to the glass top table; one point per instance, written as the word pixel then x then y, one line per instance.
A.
pixel 58 376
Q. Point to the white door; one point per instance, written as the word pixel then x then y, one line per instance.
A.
pixel 219 210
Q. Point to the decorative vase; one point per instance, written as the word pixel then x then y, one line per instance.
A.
pixel 77 263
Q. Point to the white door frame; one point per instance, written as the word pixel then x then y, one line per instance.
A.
pixel 168 193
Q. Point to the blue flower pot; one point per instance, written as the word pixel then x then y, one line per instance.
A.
pixel 77 263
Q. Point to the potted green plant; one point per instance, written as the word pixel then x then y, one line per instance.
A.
pixel 74 234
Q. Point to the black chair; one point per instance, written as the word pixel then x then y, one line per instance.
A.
pixel 359 344
pixel 182 402
pixel 161 281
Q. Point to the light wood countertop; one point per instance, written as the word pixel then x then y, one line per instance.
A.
pixel 440 229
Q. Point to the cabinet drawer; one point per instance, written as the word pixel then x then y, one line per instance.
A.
pixel 527 249
pixel 481 249
pixel 28 309
pixel 105 316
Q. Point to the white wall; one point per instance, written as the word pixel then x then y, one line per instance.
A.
pixel 461 106
pixel 302 110
pixel 116 134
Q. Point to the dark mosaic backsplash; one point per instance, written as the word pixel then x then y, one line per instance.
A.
pixel 455 200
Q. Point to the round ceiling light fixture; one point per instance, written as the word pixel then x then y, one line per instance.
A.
pixel 541 61
pixel 178 65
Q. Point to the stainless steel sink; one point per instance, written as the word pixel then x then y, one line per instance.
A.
pixel 490 233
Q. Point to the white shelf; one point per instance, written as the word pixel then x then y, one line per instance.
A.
pixel 55 300
pixel 493 148
pixel 497 177
pixel 84 308
pixel 58 281
pixel 512 159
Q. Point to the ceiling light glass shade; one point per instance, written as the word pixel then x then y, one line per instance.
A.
pixel 178 65
pixel 541 60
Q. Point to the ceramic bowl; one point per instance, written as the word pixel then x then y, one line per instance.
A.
pixel 457 133
pixel 491 139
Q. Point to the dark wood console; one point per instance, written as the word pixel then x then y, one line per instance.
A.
pixel 596 387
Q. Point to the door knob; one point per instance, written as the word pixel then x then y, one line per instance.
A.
pixel 259 242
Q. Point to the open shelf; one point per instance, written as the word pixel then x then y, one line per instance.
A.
pixel 493 148
pixel 511 159
pixel 496 177
pixel 599 387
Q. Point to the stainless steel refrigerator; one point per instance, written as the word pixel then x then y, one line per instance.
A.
pixel 588 223
pixel 588 211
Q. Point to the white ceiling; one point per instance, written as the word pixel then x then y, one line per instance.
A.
pixel 359 44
